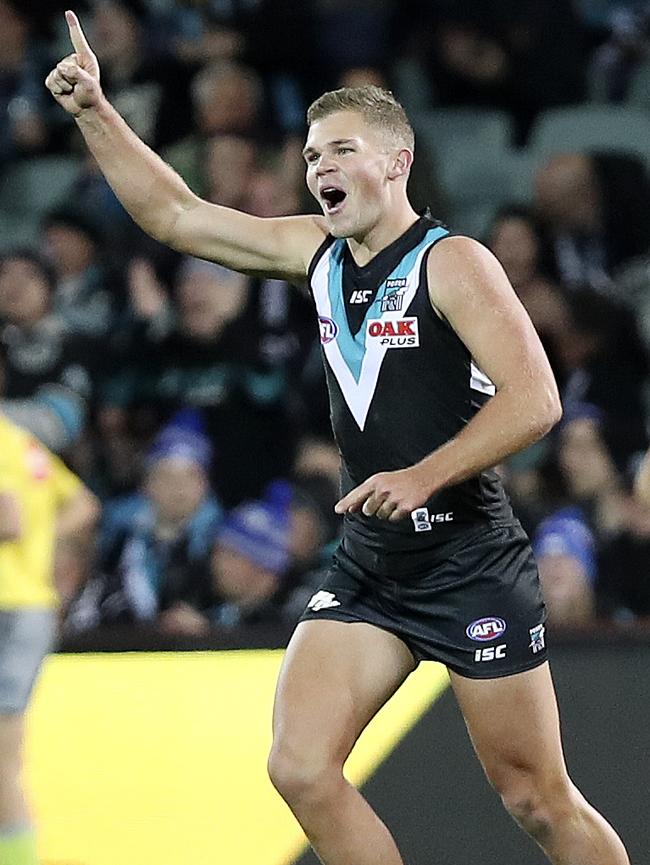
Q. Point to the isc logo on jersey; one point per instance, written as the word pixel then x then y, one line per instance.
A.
pixel 400 333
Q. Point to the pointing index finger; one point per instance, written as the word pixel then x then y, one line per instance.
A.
pixel 352 501
pixel 77 36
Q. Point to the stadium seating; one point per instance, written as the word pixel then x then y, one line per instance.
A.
pixel 443 130
pixel 478 181
pixel 591 127
pixel 638 95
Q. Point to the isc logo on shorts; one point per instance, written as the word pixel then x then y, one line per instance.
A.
pixel 401 333
pixel 490 653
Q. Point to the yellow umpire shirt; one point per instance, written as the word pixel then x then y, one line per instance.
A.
pixel 41 484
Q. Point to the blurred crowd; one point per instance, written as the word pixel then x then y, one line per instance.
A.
pixel 191 399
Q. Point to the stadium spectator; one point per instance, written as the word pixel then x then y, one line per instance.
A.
pixel 592 207
pixel 588 473
pixel 23 110
pixel 150 85
pixel 228 169
pixel 624 585
pixel 47 371
pixel 283 39
pixel 565 549
pixel 619 56
pixel 233 353
pixel 207 32
pixel 366 27
pixel 603 361
pixel 515 237
pixel 497 54
pixel 154 545
pixel 87 297
pixel 226 100
pixel 251 558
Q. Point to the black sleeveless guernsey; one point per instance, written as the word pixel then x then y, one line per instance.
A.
pixel 401 383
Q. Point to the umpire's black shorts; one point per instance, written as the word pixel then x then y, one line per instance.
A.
pixel 477 608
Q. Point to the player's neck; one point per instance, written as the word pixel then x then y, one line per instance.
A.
pixel 382 234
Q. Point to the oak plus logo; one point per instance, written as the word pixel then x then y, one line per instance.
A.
pixel 400 333
pixel 328 329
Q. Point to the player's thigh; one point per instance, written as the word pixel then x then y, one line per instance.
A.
pixel 26 637
pixel 12 728
pixel 514 726
pixel 334 679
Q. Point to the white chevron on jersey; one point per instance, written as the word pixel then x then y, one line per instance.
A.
pixel 358 394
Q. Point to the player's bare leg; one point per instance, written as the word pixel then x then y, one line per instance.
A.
pixel 17 839
pixel 335 677
pixel 13 807
pixel 514 726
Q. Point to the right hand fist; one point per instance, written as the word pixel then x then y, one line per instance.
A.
pixel 74 82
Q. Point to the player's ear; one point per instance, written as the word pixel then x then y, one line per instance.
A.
pixel 401 164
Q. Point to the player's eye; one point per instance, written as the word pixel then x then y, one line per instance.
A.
pixel 345 150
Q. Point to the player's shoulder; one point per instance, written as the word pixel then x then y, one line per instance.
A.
pixel 458 250
pixel 461 270
pixel 461 261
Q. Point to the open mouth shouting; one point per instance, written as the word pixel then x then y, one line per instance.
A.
pixel 333 199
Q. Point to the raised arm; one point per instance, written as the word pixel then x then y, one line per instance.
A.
pixel 158 199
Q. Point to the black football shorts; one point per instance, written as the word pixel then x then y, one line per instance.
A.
pixel 477 608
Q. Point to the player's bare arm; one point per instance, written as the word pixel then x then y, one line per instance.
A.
pixel 10 522
pixel 158 199
pixel 468 286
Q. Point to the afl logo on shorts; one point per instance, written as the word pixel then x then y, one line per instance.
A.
pixel 486 629
pixel 328 329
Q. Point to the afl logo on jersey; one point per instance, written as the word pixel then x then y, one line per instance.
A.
pixel 398 333
pixel 328 329
pixel 486 629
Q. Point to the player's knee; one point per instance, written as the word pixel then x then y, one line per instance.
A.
pixel 537 803
pixel 300 777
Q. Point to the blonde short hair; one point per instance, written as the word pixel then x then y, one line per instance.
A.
pixel 377 106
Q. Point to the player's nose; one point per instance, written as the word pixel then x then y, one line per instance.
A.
pixel 325 165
